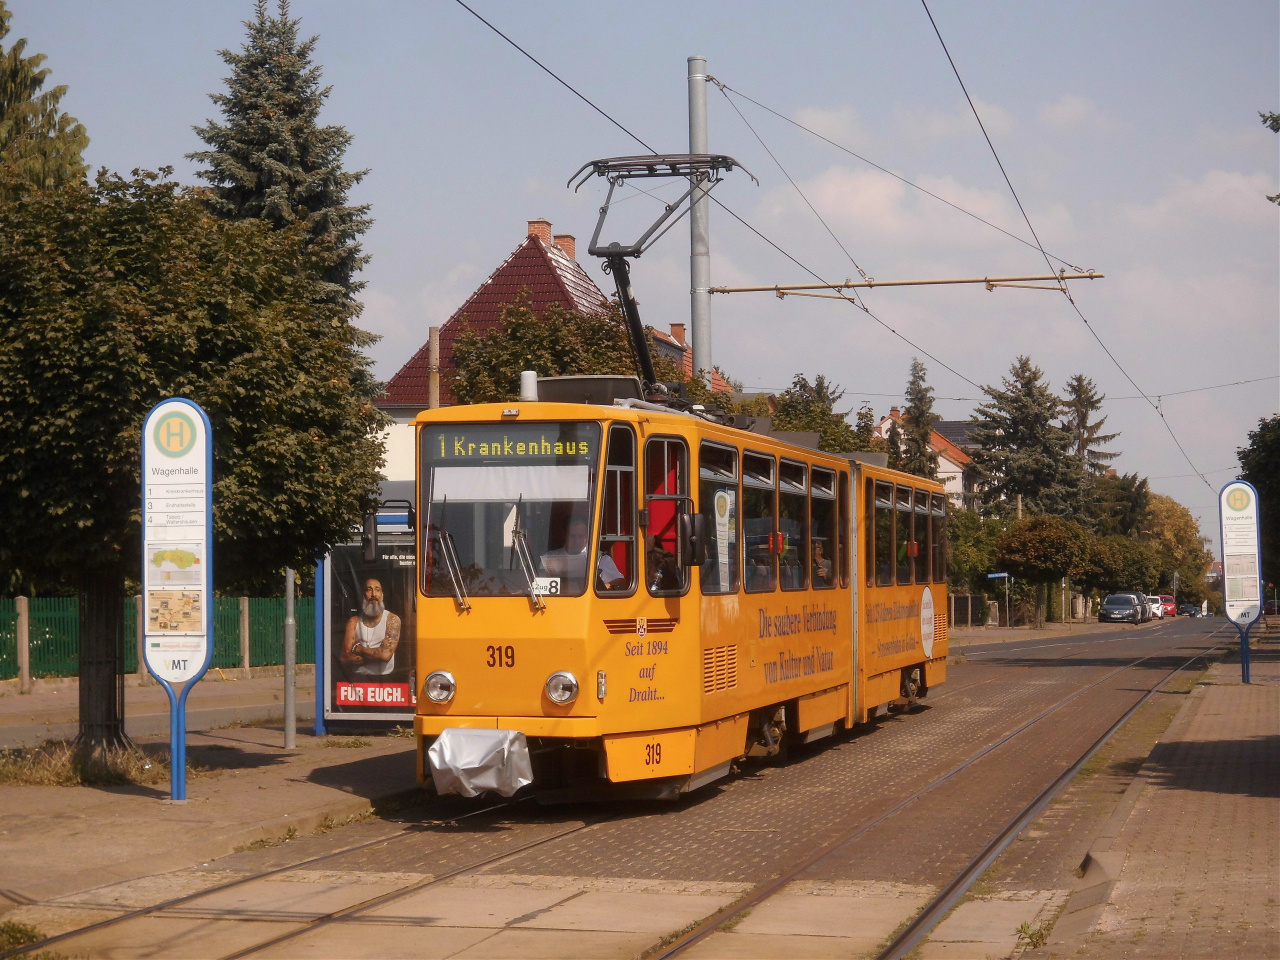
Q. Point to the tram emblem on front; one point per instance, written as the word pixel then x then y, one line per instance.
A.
pixel 642 626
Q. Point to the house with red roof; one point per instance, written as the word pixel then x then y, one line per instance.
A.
pixel 545 269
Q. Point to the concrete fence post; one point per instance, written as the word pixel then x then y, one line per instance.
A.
pixel 140 638
pixel 24 645
pixel 244 638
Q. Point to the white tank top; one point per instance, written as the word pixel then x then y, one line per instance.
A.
pixel 373 636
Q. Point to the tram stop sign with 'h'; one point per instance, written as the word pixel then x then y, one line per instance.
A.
pixel 1241 581
pixel 176 517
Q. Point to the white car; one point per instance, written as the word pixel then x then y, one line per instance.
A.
pixel 1157 606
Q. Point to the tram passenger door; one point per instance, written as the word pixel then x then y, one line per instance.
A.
pixel 666 480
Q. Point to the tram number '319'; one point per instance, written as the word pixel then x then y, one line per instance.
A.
pixel 501 656
pixel 652 754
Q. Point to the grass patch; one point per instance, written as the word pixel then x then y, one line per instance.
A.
pixel 268 842
pixel 63 763
pixel 17 935
pixel 349 742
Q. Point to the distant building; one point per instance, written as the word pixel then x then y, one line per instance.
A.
pixel 950 441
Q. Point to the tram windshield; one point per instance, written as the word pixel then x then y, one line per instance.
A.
pixel 506 508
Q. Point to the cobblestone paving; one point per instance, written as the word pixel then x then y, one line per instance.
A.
pixel 1200 878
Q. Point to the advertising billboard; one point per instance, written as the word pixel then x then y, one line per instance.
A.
pixel 369 621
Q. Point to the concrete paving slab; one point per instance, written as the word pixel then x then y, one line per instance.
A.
pixel 652 913
pixel 758 946
pixel 468 907
pixel 862 911
pixel 52 920
pixel 933 950
pixel 147 891
pixel 994 920
pixel 378 941
pixel 280 900
pixel 171 938
pixel 526 944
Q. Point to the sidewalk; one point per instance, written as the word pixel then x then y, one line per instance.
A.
pixel 60 840
pixel 52 710
pixel 1187 865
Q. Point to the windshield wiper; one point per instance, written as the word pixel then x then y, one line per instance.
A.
pixel 450 555
pixel 520 547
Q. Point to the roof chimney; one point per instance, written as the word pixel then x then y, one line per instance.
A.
pixel 540 229
pixel 566 243
pixel 895 413
pixel 677 333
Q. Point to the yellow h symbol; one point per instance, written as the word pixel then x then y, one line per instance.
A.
pixel 175 434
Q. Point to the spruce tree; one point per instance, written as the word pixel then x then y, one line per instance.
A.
pixel 918 421
pixel 271 160
pixel 1022 449
pixel 40 146
pixel 1081 402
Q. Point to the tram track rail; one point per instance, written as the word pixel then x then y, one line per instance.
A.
pixel 924 921
pixel 918 927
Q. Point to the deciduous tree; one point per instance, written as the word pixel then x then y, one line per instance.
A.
pixel 1041 550
pixel 1260 465
pixel 117 295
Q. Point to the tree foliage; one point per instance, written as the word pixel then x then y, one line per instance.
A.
pixel 1116 504
pixel 1081 403
pixel 40 146
pixel 972 550
pixel 918 421
pixel 1041 549
pixel 1119 564
pixel 1260 465
pixel 271 160
pixel 119 294
pixel 812 407
pixel 1172 532
pixel 1272 122
pixel 1022 449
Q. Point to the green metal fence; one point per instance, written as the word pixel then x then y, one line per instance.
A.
pixel 8 639
pixel 54 634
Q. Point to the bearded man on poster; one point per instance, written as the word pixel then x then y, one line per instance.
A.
pixel 369 644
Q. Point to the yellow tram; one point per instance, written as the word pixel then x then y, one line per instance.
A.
pixel 633 597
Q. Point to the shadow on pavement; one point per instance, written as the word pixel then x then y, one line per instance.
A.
pixel 1250 767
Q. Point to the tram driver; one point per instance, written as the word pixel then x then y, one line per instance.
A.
pixel 570 561
pixel 369 644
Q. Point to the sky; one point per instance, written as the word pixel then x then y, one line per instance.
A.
pixel 1130 133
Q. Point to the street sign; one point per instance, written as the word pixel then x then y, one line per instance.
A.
pixel 177 559
pixel 1241 561
pixel 993 576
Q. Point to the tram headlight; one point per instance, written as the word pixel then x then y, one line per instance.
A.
pixel 562 687
pixel 440 686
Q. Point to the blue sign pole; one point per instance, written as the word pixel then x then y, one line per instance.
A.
pixel 177 562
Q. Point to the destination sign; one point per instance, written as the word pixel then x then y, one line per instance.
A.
pixel 511 443
pixel 1238 508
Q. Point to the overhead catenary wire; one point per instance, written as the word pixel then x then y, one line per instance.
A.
pixel 549 72
pixel 772 156
pixel 1062 283
pixel 726 89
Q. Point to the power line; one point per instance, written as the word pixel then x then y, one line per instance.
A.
pixel 871 163
pixel 556 78
pixel 1216 386
pixel 793 183
pixel 1061 283
pixel 860 306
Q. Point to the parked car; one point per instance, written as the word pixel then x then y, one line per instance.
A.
pixel 1189 610
pixel 1157 606
pixel 1271 608
pixel 1170 607
pixel 1120 608
pixel 1143 605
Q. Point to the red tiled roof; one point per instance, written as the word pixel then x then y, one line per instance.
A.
pixel 541 269
pixel 718 383
pixel 937 441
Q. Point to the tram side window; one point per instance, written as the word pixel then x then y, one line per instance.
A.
pixel 793 524
pixel 616 568
pixel 758 534
pixel 921 546
pixel 869 528
pixel 718 502
pixel 939 531
pixel 884 534
pixel 822 529
pixel 844 513
pixel 666 477
pixel 906 542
